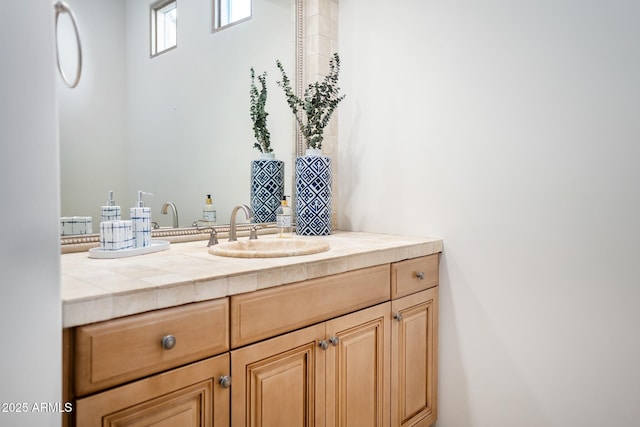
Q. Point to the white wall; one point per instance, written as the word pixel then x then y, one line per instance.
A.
pixel 509 129
pixel 30 310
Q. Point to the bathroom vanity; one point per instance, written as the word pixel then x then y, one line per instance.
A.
pixel 345 337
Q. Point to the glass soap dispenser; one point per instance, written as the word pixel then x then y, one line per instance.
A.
pixel 283 219
pixel 209 211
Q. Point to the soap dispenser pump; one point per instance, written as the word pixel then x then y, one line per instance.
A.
pixel 141 222
pixel 140 200
pixel 283 219
pixel 110 212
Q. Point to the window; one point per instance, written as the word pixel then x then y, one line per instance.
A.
pixel 164 26
pixel 229 12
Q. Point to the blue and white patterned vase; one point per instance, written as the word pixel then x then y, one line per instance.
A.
pixel 267 187
pixel 313 194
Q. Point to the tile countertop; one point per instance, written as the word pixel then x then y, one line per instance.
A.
pixel 101 289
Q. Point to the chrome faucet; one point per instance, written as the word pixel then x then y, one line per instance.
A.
pixel 174 210
pixel 232 222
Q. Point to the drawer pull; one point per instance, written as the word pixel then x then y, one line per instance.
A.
pixel 225 381
pixel 324 344
pixel 398 316
pixel 334 340
pixel 168 342
pixel 420 275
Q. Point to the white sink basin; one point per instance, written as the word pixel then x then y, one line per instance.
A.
pixel 269 248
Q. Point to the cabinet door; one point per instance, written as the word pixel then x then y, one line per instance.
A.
pixel 357 368
pixel 279 382
pixel 187 396
pixel 414 356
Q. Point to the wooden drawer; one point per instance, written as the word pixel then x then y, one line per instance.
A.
pixel 413 275
pixel 270 312
pixel 186 396
pixel 120 350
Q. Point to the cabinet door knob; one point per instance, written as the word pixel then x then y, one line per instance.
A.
pixel 420 275
pixel 398 316
pixel 225 381
pixel 334 340
pixel 323 344
pixel 168 342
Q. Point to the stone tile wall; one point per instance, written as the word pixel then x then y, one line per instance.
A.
pixel 320 43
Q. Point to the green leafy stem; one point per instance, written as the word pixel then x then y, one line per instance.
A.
pixel 318 103
pixel 258 100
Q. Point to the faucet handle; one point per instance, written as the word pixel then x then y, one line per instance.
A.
pixel 213 239
pixel 254 233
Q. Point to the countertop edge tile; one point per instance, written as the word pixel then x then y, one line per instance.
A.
pixel 211 289
pixel 135 302
pixel 84 312
pixel 179 294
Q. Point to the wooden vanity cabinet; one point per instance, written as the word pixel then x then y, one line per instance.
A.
pixel 335 373
pixel 348 350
